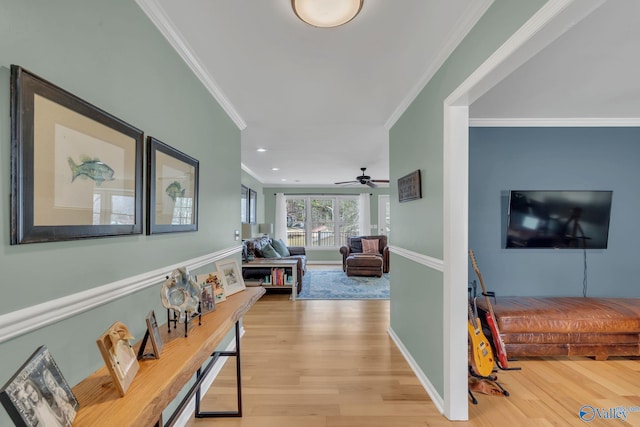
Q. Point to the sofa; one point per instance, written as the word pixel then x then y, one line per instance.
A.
pixel 256 245
pixel 354 266
pixel 567 326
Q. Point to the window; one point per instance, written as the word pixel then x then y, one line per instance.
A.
pixel 321 221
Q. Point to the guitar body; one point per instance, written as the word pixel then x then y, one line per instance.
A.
pixel 490 317
pixel 483 362
pixel 501 351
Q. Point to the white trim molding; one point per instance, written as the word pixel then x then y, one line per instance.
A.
pixel 555 122
pixel 159 18
pixel 435 263
pixel 424 381
pixel 29 319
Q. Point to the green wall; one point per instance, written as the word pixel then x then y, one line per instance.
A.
pixel 324 255
pixel 109 54
pixel 416 142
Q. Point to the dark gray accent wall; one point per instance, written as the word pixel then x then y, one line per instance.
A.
pixel 503 159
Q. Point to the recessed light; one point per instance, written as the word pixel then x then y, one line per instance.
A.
pixel 275 169
pixel 261 150
pixel 283 179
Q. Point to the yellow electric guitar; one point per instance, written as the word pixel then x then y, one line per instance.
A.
pixel 482 361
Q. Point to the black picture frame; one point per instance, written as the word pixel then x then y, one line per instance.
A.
pixel 253 207
pixel 410 187
pixel 172 189
pixel 152 334
pixel 38 392
pixel 244 204
pixel 76 170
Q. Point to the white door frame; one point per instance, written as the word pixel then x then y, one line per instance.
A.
pixel 555 17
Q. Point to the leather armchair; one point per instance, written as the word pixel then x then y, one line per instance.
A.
pixel 354 246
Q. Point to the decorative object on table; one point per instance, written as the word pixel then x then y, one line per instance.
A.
pixel 180 295
pixel 152 334
pixel 115 347
pixel 68 158
pixel 231 278
pixel 38 395
pixel 410 187
pixel 172 189
pixel 215 280
pixel 207 295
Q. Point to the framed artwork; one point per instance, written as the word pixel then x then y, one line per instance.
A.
pixel 76 170
pixel 231 278
pixel 38 394
pixel 253 204
pixel 115 347
pixel 244 204
pixel 215 279
pixel 172 189
pixel 153 335
pixel 410 187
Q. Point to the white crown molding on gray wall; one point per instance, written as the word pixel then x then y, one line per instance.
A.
pixel 158 16
pixel 434 263
pixel 28 319
pixel 458 33
pixel 555 122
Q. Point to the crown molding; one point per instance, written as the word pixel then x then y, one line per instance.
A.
pixel 159 18
pixel 28 319
pixel 555 122
pixel 474 12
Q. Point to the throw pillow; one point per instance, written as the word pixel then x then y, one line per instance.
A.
pixel 269 252
pixel 370 246
pixel 280 247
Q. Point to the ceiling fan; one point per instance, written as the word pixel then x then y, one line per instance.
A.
pixel 364 179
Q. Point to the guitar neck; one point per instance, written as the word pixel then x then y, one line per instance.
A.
pixel 482 285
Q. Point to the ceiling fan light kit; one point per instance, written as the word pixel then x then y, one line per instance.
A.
pixel 326 13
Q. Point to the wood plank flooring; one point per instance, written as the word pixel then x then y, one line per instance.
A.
pixel 333 364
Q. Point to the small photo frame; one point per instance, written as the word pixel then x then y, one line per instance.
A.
pixel 231 278
pixel 153 335
pixel 172 189
pixel 38 394
pixel 115 347
pixel 410 187
pixel 215 279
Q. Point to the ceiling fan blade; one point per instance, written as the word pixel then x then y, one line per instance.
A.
pixel 379 180
pixel 346 182
pixel 371 184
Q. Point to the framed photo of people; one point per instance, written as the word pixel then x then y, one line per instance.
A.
pixel 38 394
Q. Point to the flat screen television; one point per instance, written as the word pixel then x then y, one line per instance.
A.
pixel 559 219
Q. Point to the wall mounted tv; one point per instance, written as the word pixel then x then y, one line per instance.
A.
pixel 559 219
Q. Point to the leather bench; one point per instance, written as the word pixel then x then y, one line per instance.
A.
pixel 568 326
pixel 364 265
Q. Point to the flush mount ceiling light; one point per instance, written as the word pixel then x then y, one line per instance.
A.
pixel 326 13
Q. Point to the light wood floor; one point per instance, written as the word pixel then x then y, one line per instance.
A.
pixel 332 364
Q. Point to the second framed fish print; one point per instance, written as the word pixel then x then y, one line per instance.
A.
pixel 172 189
pixel 76 170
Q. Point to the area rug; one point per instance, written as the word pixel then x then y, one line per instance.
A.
pixel 330 284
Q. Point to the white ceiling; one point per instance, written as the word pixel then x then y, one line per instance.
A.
pixel 321 100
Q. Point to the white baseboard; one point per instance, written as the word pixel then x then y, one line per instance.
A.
pixel 429 388
pixel 189 410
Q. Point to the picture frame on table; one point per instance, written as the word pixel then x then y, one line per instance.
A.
pixel 215 280
pixel 172 189
pixel 76 170
pixel 38 395
pixel 121 361
pixel 231 276
pixel 152 334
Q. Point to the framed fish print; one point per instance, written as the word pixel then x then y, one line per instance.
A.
pixel 76 170
pixel 172 189
pixel 38 394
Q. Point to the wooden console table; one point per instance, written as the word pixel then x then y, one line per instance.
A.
pixel 159 381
